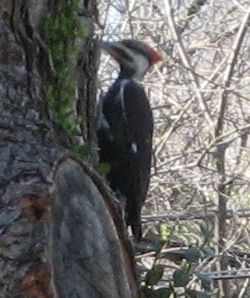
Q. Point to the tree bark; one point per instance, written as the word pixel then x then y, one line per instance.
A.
pixel 61 233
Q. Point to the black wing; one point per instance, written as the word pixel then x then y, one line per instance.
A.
pixel 126 145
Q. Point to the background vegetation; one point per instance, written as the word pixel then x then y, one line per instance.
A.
pixel 199 192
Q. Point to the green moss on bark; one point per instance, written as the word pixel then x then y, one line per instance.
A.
pixel 61 29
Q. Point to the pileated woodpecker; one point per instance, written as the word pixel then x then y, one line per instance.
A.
pixel 126 129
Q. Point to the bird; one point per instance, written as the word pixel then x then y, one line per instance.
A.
pixel 125 131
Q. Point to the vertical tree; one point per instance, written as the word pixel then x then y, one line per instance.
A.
pixel 58 235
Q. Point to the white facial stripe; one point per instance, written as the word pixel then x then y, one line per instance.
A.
pixel 139 62
pixel 142 65
pixel 121 96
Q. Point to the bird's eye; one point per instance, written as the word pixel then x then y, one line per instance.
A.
pixel 122 53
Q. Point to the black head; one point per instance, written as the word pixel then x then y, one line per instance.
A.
pixel 135 57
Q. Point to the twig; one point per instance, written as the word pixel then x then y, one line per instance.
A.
pixel 220 224
pixel 187 63
pixel 245 213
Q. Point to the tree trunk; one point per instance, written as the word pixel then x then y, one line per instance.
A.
pixel 61 232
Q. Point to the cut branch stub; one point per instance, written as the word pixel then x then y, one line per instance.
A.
pixel 87 252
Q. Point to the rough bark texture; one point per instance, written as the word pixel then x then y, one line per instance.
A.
pixel 87 251
pixel 58 237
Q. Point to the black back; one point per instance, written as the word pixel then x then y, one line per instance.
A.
pixel 126 145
